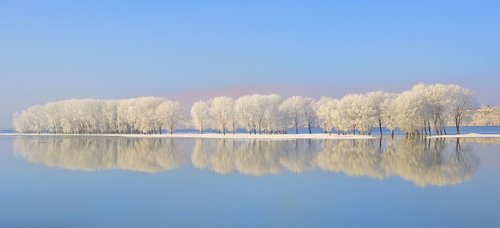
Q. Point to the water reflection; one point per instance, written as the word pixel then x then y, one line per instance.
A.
pixel 253 157
pixel 431 162
pixel 91 154
pixel 354 158
pixel 434 162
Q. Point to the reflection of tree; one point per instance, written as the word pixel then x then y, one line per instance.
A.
pixel 250 157
pixel 298 155
pixel 214 155
pixel 482 141
pixel 101 153
pixel 352 157
pixel 200 157
pixel 257 157
pixel 430 163
pixel 424 163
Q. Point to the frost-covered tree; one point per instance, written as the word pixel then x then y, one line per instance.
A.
pixel 274 119
pixel 357 113
pixel 259 113
pixel 221 111
pixel 244 111
pixel 299 112
pixel 409 108
pixel 260 108
pixel 267 114
pixel 416 112
pixel 200 115
pixel 376 100
pixel 461 101
pixel 389 113
pixel 327 111
pixel 434 108
pixel 292 109
pixel 233 124
pixel 310 115
pixel 144 115
pixel 171 115
pixel 149 115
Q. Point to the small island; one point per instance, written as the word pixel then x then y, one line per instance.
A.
pixel 423 111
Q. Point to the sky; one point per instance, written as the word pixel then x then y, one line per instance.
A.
pixel 190 50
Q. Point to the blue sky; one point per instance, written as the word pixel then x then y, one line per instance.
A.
pixel 52 50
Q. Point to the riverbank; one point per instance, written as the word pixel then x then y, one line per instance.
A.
pixel 248 136
pixel 212 136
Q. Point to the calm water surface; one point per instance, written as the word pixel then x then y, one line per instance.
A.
pixel 125 182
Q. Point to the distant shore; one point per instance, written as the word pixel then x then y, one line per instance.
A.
pixel 212 136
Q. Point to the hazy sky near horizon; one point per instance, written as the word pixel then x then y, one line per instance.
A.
pixel 189 50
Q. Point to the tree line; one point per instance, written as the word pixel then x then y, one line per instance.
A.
pixel 422 110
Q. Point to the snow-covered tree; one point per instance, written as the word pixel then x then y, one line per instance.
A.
pixel 221 111
pixel 299 112
pixel 389 113
pixel 171 115
pixel 409 106
pixel 200 115
pixel 357 113
pixel 376 100
pixel 327 111
pixel 416 112
pixel 310 115
pixel 461 102
pixel 244 111
pixel 274 119
pixel 91 116
pixel 259 113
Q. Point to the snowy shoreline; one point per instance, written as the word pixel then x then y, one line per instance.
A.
pixel 470 135
pixel 248 136
pixel 211 136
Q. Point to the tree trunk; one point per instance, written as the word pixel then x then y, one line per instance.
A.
pixel 380 126
pixel 309 126
pixel 296 129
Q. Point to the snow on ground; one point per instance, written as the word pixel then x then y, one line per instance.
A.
pixel 248 136
pixel 212 136
pixel 470 135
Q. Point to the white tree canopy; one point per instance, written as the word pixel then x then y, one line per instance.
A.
pixel 200 115
pixel 145 115
pixel 424 109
